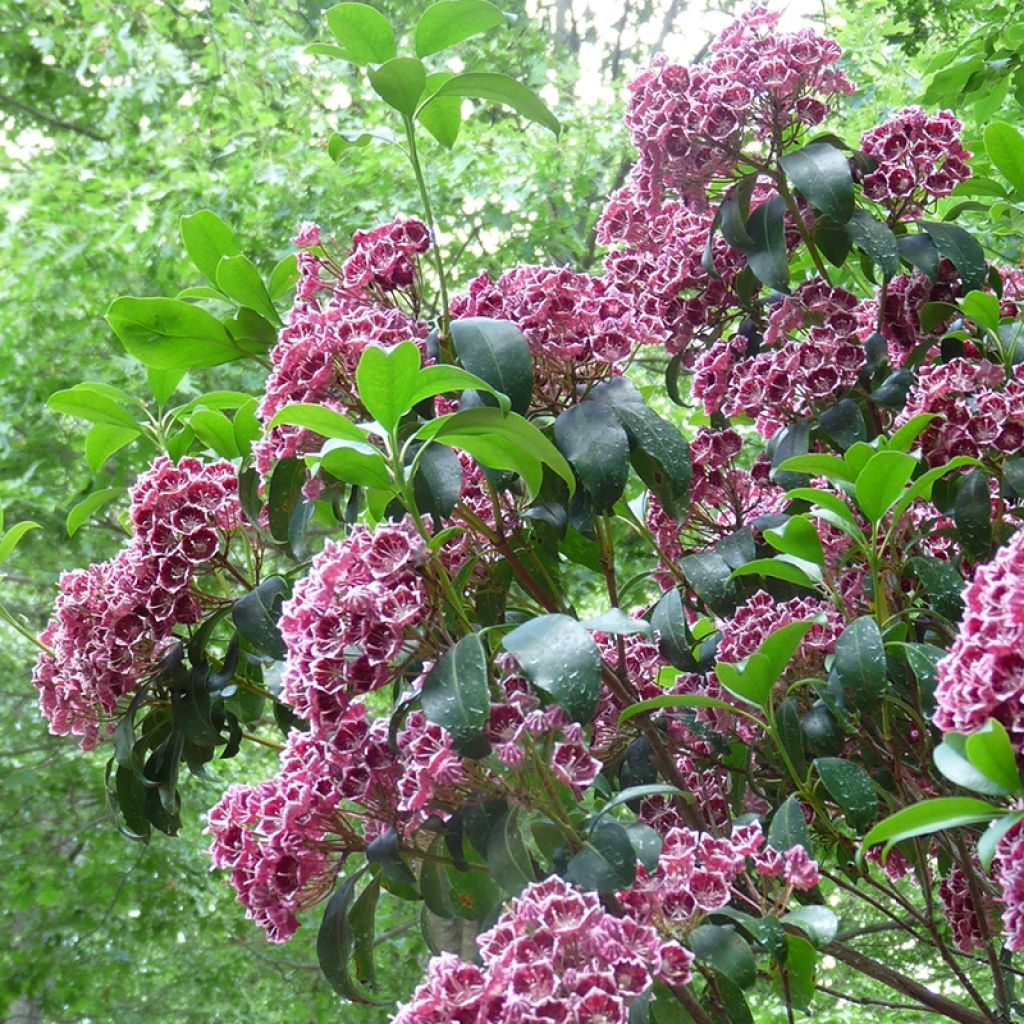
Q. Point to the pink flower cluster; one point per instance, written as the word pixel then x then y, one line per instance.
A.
pixel 759 617
pixel 698 874
pixel 919 158
pixel 314 361
pixel 661 266
pixel 349 618
pixel 1008 871
pixel 385 259
pixel 281 839
pixel 786 378
pixel 580 328
pixel 982 415
pixel 555 955
pixel 690 123
pixel 961 911
pixel 982 676
pixel 112 621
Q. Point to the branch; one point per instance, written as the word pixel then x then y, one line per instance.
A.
pixel 901 983
pixel 55 122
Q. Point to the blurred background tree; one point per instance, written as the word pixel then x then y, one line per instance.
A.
pixel 119 116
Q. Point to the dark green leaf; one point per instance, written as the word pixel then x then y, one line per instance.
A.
pixel 843 424
pixel 497 352
pixel 456 695
pixel 438 481
pixel 832 240
pixel 560 658
pixel 594 442
pixel 920 252
pixel 819 923
pixel 710 576
pixel 851 787
pixel 507 856
pixel 606 862
pixel 859 664
pixel 972 513
pixel 283 495
pixel 725 951
pixel 674 641
pixel 788 827
pixel 255 617
pixel 767 231
pixel 335 942
pixel 876 241
pixel 822 175
pixel 942 583
pixel 961 249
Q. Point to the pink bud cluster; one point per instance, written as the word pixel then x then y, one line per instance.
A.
pixel 761 615
pixel 982 676
pixel 385 259
pixel 919 158
pixel 961 911
pixel 349 619
pixel 981 413
pixel 1008 871
pixel 282 839
pixel 690 123
pixel 554 955
pixel 113 620
pixel 580 328
pixel 786 378
pixel 698 874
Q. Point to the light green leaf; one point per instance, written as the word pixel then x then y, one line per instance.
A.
pixel 386 381
pixel 83 511
pixel 363 33
pixel 400 83
pixel 448 22
pixel 498 88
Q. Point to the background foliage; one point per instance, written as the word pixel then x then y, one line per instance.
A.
pixel 118 117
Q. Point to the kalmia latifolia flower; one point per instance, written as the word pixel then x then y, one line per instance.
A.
pixel 112 621
pixel 371 299
pixel 282 839
pixel 981 414
pixel 1008 871
pixel 349 619
pixel 385 259
pixel 982 676
pixel 554 955
pixel 690 123
pixel 579 328
pixel 785 378
pixel 961 911
pixel 919 158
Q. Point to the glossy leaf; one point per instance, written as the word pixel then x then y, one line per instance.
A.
pixel 721 948
pixel 961 249
pixel 876 241
pixel 606 862
pixel 255 617
pixel 497 352
pixel 400 83
pixel 336 940
pixel 880 483
pixel 449 22
pixel 207 240
pixel 239 278
pixel 85 402
pixel 595 444
pixel 318 418
pixel 768 259
pixel 972 513
pixel 788 826
pixel 507 857
pixel 456 695
pixel 1005 147
pixel 386 381
pixel 560 658
pixel 819 923
pixel 851 787
pixel 928 816
pixel 859 664
pixel 822 175
pixel 498 88
pixel 363 33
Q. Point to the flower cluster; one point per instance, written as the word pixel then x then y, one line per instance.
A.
pixel 961 911
pixel 1008 871
pixel 690 123
pixel 918 158
pixel 349 619
pixel 979 416
pixel 580 328
pixel 385 259
pixel 554 955
pixel 783 378
pixel 280 839
pixel 982 676
pixel 662 266
pixel 314 361
pixel 698 874
pixel 760 616
pixel 112 621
